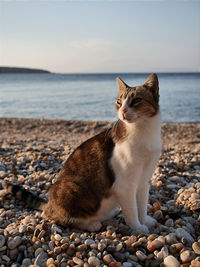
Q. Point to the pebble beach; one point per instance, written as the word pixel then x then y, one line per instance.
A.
pixel 32 152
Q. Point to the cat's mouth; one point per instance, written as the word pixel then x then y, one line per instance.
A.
pixel 126 118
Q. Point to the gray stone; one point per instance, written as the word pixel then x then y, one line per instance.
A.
pixel 127 264
pixel 26 262
pixel 41 259
pixel 2 241
pixel 181 233
pixel 15 242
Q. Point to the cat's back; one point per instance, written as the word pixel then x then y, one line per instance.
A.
pixel 90 158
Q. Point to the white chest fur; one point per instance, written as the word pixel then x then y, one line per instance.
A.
pixel 134 160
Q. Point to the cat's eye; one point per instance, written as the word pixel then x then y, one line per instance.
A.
pixel 119 102
pixel 136 101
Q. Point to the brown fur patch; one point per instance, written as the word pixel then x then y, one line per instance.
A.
pixel 84 180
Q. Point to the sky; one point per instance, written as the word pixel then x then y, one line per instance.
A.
pixel 101 36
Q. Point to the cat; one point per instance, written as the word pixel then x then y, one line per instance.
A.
pixel 110 170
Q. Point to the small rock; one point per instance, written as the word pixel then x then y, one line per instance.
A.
pixel 2 241
pixel 78 261
pixel 101 246
pixel 181 233
pixel 115 264
pixel 127 264
pixel 57 250
pixel 158 215
pixel 186 256
pixel 50 261
pixel 93 261
pixel 89 242
pixel 6 258
pixel 57 237
pixel 155 244
pixel 171 261
pixel 26 261
pixel 13 243
pixel 196 247
pixel 13 253
pixel 171 239
pixel 169 223
pixel 141 256
pixel 22 228
pixel 38 251
pixel 175 248
pixel 41 259
pixel 108 258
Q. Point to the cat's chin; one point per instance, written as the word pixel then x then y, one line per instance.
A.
pixel 129 120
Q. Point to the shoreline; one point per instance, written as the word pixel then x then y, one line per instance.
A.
pixel 32 152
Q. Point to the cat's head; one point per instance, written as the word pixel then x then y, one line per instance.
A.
pixel 139 102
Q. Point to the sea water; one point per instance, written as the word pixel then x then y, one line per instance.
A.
pixel 92 96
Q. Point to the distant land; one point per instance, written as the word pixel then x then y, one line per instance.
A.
pixel 21 70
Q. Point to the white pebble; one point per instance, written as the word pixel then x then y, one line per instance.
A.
pixel 58 237
pixel 93 261
pixel 171 261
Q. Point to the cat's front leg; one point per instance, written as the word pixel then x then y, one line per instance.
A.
pixel 142 200
pixel 128 203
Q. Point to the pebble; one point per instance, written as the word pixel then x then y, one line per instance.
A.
pixel 186 256
pixel 93 261
pixel 141 256
pixel 78 261
pixel 6 258
pixel 115 264
pixel 181 233
pixel 13 243
pixel 171 239
pixel 89 242
pixel 26 261
pixel 2 241
pixel 196 247
pixel 155 244
pixel 127 264
pixel 41 259
pixel 50 261
pixel 171 261
pixel 169 223
pixel 13 253
pixel 58 237
pixel 108 258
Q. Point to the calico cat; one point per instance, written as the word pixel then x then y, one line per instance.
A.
pixel 109 170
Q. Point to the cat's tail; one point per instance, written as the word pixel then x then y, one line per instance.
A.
pixel 29 198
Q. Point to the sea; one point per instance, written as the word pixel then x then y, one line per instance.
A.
pixel 92 96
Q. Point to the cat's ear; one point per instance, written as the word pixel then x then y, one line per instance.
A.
pixel 122 85
pixel 153 85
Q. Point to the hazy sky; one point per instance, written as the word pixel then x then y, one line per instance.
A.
pixel 101 36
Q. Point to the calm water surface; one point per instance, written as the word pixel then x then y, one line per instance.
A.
pixel 92 96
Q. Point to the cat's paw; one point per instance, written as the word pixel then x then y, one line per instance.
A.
pixel 150 222
pixel 140 229
pixel 94 226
